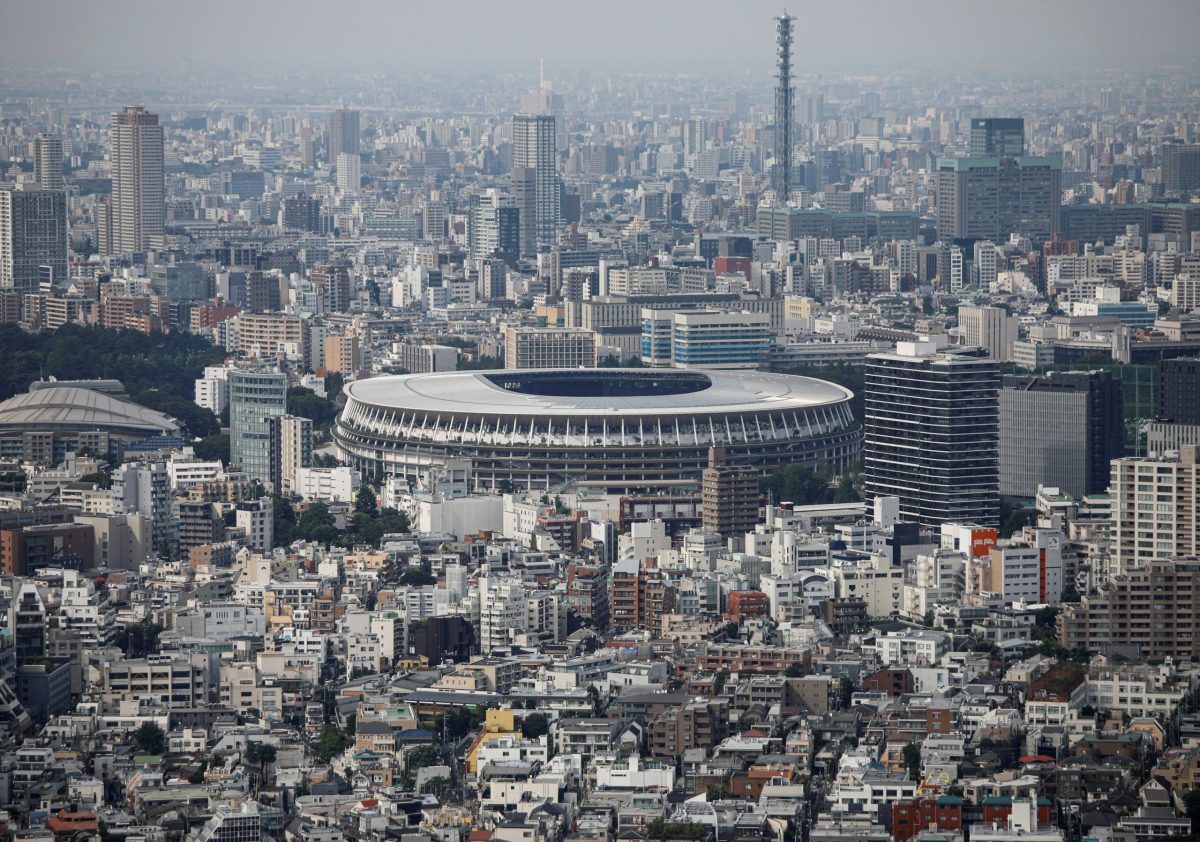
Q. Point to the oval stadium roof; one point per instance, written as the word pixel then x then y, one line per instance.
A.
pixel 489 392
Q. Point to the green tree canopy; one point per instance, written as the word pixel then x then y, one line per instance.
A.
pixel 214 447
pixel 364 501
pixel 912 760
pixel 317 524
pixel 308 404
pixel 799 484
pixel 150 738
pixel 416 577
pixel 333 741
pixel 534 725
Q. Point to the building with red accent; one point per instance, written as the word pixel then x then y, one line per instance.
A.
pixel 748 604
pixel 893 682
pixel 911 817
pixel 997 809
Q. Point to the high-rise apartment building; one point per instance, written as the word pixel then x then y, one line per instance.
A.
pixel 985 266
pixel 997 137
pixel 262 293
pixel 48 161
pixel 729 497
pixel 343 355
pixel 212 390
pixel 302 213
pixel 1180 167
pixel 1155 509
pixel 693 135
pixel 105 243
pixel 549 347
pixel 343 136
pixel 336 286
pixel 307 149
pixel 137 180
pixel 146 489
pixel 991 328
pixel 502 611
pixel 291 449
pixel 33 238
pixel 932 434
pixel 533 144
pixel 494 225
pixel 200 522
pixel 1155 607
pixel 266 335
pixel 254 398
pixel 1061 430
pixel 349 173
pixel 991 198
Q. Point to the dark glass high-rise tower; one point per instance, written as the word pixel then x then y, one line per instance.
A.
pixel 998 137
pixel 1060 430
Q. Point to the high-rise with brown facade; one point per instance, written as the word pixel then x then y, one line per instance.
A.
pixel 1155 607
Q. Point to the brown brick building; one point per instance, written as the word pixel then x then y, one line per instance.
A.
pixel 911 817
pixel 24 549
pixel 701 723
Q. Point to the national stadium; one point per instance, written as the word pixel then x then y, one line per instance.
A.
pixel 620 430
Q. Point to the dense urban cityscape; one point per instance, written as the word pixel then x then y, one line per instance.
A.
pixel 579 450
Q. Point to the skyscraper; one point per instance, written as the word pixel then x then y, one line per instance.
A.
pixel 336 285
pixel 1179 390
pixel 784 94
pixel 291 448
pixel 693 135
pixel 540 208
pixel 48 161
pixel 255 397
pixel 729 496
pixel 302 213
pixel 104 225
pixel 146 488
pixel 932 434
pixel 1180 167
pixel 990 198
pixel 988 327
pixel 494 225
pixel 1062 430
pixel 33 234
pixel 1155 508
pixel 997 137
pixel 137 180
pixel 307 149
pixel 349 173
pixel 343 134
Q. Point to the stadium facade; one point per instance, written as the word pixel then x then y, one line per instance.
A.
pixel 614 429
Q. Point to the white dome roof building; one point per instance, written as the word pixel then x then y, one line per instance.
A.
pixel 44 424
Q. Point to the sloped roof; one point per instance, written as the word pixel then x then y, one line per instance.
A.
pixel 74 407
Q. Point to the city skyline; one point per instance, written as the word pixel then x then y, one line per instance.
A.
pixel 636 422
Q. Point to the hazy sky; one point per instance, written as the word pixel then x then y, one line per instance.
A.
pixel 684 35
